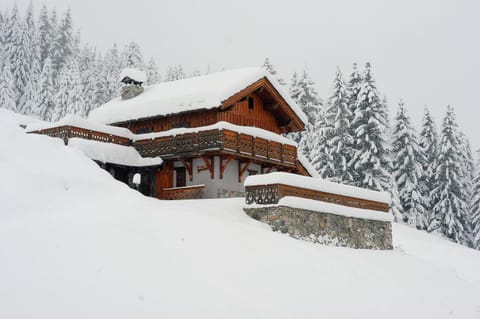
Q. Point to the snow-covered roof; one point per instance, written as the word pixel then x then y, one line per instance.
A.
pixel 201 92
pixel 324 207
pixel 317 184
pixel 133 74
pixel 88 124
pixel 112 153
pixel 20 119
pixel 249 130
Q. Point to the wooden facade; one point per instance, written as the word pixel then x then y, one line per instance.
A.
pixel 259 105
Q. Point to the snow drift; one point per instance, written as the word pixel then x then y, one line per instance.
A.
pixel 74 243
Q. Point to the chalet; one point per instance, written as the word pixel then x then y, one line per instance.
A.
pixel 193 138
pixel 213 136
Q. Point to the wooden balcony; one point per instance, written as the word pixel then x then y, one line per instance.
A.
pixel 187 192
pixel 223 141
pixel 272 193
pixel 66 132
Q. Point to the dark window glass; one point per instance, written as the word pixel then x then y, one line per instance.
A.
pixel 250 103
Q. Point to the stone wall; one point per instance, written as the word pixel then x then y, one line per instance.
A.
pixel 326 228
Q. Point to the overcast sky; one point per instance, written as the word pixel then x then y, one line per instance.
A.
pixel 426 52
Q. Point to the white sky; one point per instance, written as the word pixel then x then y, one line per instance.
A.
pixel 424 51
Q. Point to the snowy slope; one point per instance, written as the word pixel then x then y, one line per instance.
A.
pixel 76 244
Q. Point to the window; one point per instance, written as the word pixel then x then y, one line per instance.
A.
pixel 250 103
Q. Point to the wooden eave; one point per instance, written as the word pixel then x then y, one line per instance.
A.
pixel 286 117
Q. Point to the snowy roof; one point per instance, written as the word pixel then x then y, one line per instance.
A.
pixel 112 153
pixel 201 92
pixel 133 74
pixel 330 208
pixel 20 119
pixel 317 184
pixel 77 121
pixel 249 130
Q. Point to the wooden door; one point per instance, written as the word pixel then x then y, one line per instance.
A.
pixel 164 179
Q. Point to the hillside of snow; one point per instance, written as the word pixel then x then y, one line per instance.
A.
pixel 74 243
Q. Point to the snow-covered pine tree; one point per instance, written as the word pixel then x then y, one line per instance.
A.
pixel 45 34
pixel 69 99
pixel 428 143
pixel 395 206
pixel 109 69
pixel 468 174
pixel 303 92
pixel 475 209
pixel 450 209
pixel 354 86
pixel 370 160
pixel 153 75
pixel 272 70
pixel 408 171
pixel 132 57
pixel 7 88
pixel 46 94
pixel 320 155
pixel 175 73
pixel 63 43
pixel 28 100
pixel 88 80
pixel 339 117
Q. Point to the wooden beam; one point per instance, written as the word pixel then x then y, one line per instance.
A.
pixel 266 170
pixel 188 166
pixel 223 166
pixel 241 170
pixel 210 162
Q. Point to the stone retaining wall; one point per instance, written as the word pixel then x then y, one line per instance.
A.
pixel 326 228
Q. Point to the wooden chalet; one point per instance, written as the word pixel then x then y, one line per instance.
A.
pixel 194 138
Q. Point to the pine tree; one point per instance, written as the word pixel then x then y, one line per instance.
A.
pixel 45 94
pixel 109 69
pixel 153 75
pixel 450 209
pixel 45 35
pixel 475 209
pixel 7 88
pixel 370 159
pixel 320 155
pixel 88 80
pixel 395 206
pixel 28 100
pixel 69 99
pixel 339 117
pixel 272 70
pixel 303 92
pixel 429 147
pixel 354 86
pixel 408 171
pixel 132 57
pixel 63 43
pixel 175 73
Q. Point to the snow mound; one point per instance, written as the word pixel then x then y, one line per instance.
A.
pixel 75 243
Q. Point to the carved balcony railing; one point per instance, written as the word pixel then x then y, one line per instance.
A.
pixel 272 193
pixel 187 192
pixel 66 132
pixel 225 141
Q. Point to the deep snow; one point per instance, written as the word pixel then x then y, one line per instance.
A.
pixel 74 243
